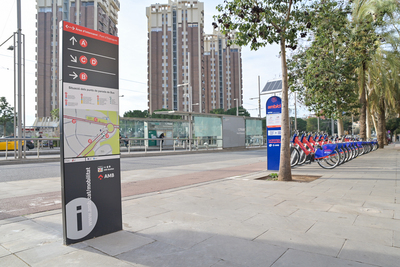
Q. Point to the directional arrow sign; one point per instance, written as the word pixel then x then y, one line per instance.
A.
pixel 74 59
pixel 73 40
pixel 74 75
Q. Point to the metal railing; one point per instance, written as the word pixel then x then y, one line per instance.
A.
pixel 255 141
pixel 173 144
pixel 43 146
pixel 11 145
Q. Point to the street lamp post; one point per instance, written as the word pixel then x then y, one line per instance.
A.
pixel 259 98
pixel 19 80
pixel 189 96
pixel 237 106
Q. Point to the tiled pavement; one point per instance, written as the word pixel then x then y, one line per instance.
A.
pixel 348 217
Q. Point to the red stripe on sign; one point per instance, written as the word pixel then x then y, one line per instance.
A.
pixel 70 27
pixel 277 126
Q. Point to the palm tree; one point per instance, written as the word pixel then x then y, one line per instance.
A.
pixel 366 16
pixel 383 88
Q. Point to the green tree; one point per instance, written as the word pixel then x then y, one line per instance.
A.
pixel 324 73
pixel 263 22
pixel 312 124
pixel 242 112
pixel 382 74
pixel 231 111
pixel 383 86
pixel 6 113
pixel 218 111
pixel 136 114
pixel 367 16
pixel 55 113
pixel 301 125
pixel 393 125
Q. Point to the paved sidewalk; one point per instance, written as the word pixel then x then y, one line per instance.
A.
pixel 348 217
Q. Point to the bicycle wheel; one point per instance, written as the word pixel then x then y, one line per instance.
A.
pixel 302 158
pixel 331 162
pixel 360 150
pixel 353 152
pixel 346 154
pixel 341 156
pixel 294 156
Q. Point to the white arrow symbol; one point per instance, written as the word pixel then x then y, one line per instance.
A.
pixel 74 75
pixel 73 40
pixel 74 59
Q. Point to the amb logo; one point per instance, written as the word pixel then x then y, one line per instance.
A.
pixel 106 176
pixel 109 175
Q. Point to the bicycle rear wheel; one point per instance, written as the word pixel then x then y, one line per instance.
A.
pixel 330 162
pixel 302 158
pixel 294 156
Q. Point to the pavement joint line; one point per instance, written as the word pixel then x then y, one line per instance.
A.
pixel 341 248
pixel 280 257
pixel 164 212
pixel 310 226
pixel 260 235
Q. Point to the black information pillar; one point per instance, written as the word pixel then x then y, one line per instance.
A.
pixel 89 134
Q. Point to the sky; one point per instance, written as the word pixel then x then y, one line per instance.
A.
pixel 132 32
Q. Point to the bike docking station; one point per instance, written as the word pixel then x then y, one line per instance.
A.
pixel 274 133
pixel 89 133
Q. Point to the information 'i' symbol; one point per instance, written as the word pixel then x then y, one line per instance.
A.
pixel 79 218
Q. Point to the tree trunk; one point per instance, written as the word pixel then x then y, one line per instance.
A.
pixel 340 127
pixel 4 129
pixel 374 122
pixel 380 133
pixel 285 171
pixel 385 141
pixel 363 103
pixel 340 130
pixel 368 124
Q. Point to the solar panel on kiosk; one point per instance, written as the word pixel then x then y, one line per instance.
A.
pixel 272 86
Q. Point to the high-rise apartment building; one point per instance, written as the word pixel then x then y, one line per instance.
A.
pixel 100 15
pixel 175 48
pixel 222 72
pixel 179 61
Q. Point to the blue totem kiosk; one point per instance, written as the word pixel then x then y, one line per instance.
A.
pixel 274 112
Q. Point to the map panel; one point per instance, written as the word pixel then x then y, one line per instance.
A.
pixel 89 133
